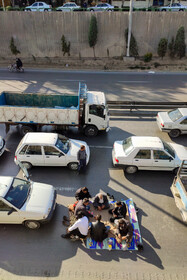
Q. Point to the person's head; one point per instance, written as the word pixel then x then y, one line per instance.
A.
pixel 86 201
pixel 100 195
pixel 122 223
pixel 82 148
pixel 98 218
pixel 80 215
pixel 84 190
pixel 118 204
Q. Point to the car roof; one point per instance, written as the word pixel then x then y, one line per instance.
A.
pixel 183 111
pixel 147 142
pixel 40 138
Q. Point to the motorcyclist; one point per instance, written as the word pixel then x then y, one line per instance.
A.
pixel 19 63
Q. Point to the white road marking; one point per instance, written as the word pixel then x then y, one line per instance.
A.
pixel 69 189
pixel 62 80
pixel 145 82
pixel 10 78
pixel 101 147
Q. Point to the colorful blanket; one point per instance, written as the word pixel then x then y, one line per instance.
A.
pixel 111 243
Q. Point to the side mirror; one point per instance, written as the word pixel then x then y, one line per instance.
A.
pixel 170 159
pixel 60 155
pixel 11 211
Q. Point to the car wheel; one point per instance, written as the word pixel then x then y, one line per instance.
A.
pixel 91 131
pixel 32 224
pixel 27 165
pixel 181 10
pixel 91 10
pixel 24 129
pixel 175 170
pixel 45 10
pixel 131 169
pixel 163 10
pixel 174 133
pixel 73 166
pixel 28 10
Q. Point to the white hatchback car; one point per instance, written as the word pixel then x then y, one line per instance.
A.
pixel 68 7
pixel 26 202
pixel 49 149
pixel 147 153
pixel 174 122
pixel 38 6
pixel 2 145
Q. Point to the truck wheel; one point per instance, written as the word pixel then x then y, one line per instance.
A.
pixel 131 169
pixel 73 166
pixel 27 165
pixel 24 129
pixel 174 133
pixel 32 224
pixel 91 131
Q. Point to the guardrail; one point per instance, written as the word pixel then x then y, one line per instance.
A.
pixel 121 108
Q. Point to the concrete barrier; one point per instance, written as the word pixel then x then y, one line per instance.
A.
pixel 38 34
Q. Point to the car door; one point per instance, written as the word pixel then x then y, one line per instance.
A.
pixel 162 160
pixel 183 125
pixel 7 217
pixel 41 7
pixel 54 157
pixel 33 154
pixel 143 159
pixel 35 7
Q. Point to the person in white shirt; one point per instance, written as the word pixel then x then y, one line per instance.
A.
pixel 79 228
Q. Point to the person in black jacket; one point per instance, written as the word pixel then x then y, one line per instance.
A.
pixel 82 206
pixel 19 63
pixel 124 231
pixel 82 193
pixel 101 202
pixel 118 212
pixel 98 231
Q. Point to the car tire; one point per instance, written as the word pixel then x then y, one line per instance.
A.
pixel 45 10
pixel 91 131
pixel 131 169
pixel 174 133
pixel 24 129
pixel 181 10
pixel 91 10
pixel 27 165
pixel 32 224
pixel 73 166
pixel 28 10
pixel 164 10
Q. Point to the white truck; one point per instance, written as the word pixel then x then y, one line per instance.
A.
pixel 179 190
pixel 87 111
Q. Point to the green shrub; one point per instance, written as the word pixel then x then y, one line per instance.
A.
pixel 156 64
pixel 65 46
pixel 162 47
pixel 171 47
pixel 12 47
pixel 133 44
pixel 148 57
pixel 92 35
pixel 180 46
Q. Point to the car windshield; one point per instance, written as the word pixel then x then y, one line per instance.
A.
pixel 63 143
pixel 18 192
pixel 127 146
pixel 169 149
pixel 175 115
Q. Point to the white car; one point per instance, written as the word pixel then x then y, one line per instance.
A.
pixel 2 145
pixel 101 7
pixel 68 7
pixel 49 149
pixel 174 122
pixel 174 7
pixel 147 153
pixel 38 6
pixel 26 202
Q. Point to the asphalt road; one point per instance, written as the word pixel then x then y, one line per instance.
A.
pixel 42 254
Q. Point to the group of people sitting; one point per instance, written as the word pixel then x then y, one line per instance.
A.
pixel 97 229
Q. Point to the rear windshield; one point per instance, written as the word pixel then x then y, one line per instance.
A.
pixel 175 115
pixel 127 146
pixel 169 149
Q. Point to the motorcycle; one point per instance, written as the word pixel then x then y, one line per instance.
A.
pixel 13 68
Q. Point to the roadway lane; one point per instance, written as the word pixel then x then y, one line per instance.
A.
pixel 44 254
pixel 144 86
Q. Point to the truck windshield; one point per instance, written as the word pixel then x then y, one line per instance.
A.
pixel 169 149
pixel 127 146
pixel 63 144
pixel 97 110
pixel 18 192
pixel 175 115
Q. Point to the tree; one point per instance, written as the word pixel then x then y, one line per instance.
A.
pixel 13 48
pixel 92 36
pixel 171 48
pixel 133 44
pixel 180 46
pixel 162 47
pixel 65 46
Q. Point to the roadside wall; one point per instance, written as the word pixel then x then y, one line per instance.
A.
pixel 39 34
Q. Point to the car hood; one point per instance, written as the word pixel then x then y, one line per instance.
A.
pixel 41 198
pixel 180 150
pixel 164 117
pixel 75 147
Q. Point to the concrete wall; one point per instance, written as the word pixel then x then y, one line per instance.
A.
pixel 39 33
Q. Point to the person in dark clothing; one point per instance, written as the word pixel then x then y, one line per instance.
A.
pixel 101 202
pixel 82 193
pixel 118 212
pixel 19 63
pixel 98 231
pixel 124 231
pixel 81 156
pixel 82 207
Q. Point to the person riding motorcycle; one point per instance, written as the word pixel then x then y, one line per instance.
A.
pixel 19 63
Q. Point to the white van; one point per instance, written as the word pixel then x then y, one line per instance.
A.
pixel 49 149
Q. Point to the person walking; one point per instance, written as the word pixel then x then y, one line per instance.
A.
pixel 81 156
